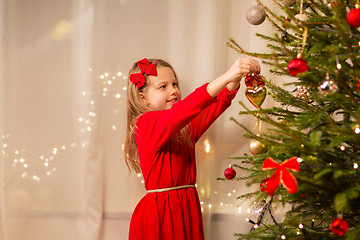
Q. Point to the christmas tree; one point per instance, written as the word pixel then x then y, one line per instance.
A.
pixel 307 157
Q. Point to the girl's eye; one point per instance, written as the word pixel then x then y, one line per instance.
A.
pixel 163 86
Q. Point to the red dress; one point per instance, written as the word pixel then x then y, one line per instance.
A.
pixel 175 214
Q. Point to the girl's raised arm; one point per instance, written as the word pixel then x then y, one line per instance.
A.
pixel 231 78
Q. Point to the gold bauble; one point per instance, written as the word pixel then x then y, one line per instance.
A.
pixel 256 147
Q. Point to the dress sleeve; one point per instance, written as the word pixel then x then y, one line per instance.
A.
pixel 156 128
pixel 204 120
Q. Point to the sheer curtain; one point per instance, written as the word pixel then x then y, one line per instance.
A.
pixel 63 106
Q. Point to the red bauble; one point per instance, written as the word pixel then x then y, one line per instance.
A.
pixel 358 85
pixel 297 65
pixel 263 184
pixel 339 226
pixel 353 17
pixel 252 79
pixel 230 173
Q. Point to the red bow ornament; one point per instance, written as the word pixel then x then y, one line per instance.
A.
pixel 282 174
pixel 146 68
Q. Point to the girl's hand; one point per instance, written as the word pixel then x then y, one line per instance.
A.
pixel 231 78
pixel 242 67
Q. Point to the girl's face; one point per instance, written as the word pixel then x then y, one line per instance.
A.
pixel 162 91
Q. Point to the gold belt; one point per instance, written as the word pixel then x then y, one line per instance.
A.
pixel 171 188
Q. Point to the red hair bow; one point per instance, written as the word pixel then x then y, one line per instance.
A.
pixel 282 175
pixel 146 68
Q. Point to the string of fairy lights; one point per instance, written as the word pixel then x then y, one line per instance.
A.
pixel 44 165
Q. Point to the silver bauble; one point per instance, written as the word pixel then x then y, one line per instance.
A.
pixel 328 87
pixel 256 15
pixel 289 3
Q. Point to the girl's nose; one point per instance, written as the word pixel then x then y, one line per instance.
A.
pixel 173 90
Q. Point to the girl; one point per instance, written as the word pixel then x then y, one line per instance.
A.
pixel 162 132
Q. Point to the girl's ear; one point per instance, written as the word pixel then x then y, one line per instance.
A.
pixel 144 99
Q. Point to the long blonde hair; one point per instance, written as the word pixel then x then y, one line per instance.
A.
pixel 135 108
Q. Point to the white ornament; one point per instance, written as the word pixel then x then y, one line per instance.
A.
pixel 302 17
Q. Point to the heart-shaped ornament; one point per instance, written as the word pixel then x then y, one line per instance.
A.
pixel 256 95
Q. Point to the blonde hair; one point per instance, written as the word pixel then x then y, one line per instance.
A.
pixel 135 108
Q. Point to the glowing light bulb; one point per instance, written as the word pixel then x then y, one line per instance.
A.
pixel 338 65
pixel 106 74
pixel 283 237
pixel 119 74
pixel 207 146
pixel 356 166
pixel 357 130
pixel 342 148
pixel 256 226
pixel 118 95
pixel 301 226
pixel 299 160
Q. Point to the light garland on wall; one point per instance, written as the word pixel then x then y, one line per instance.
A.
pixel 112 85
